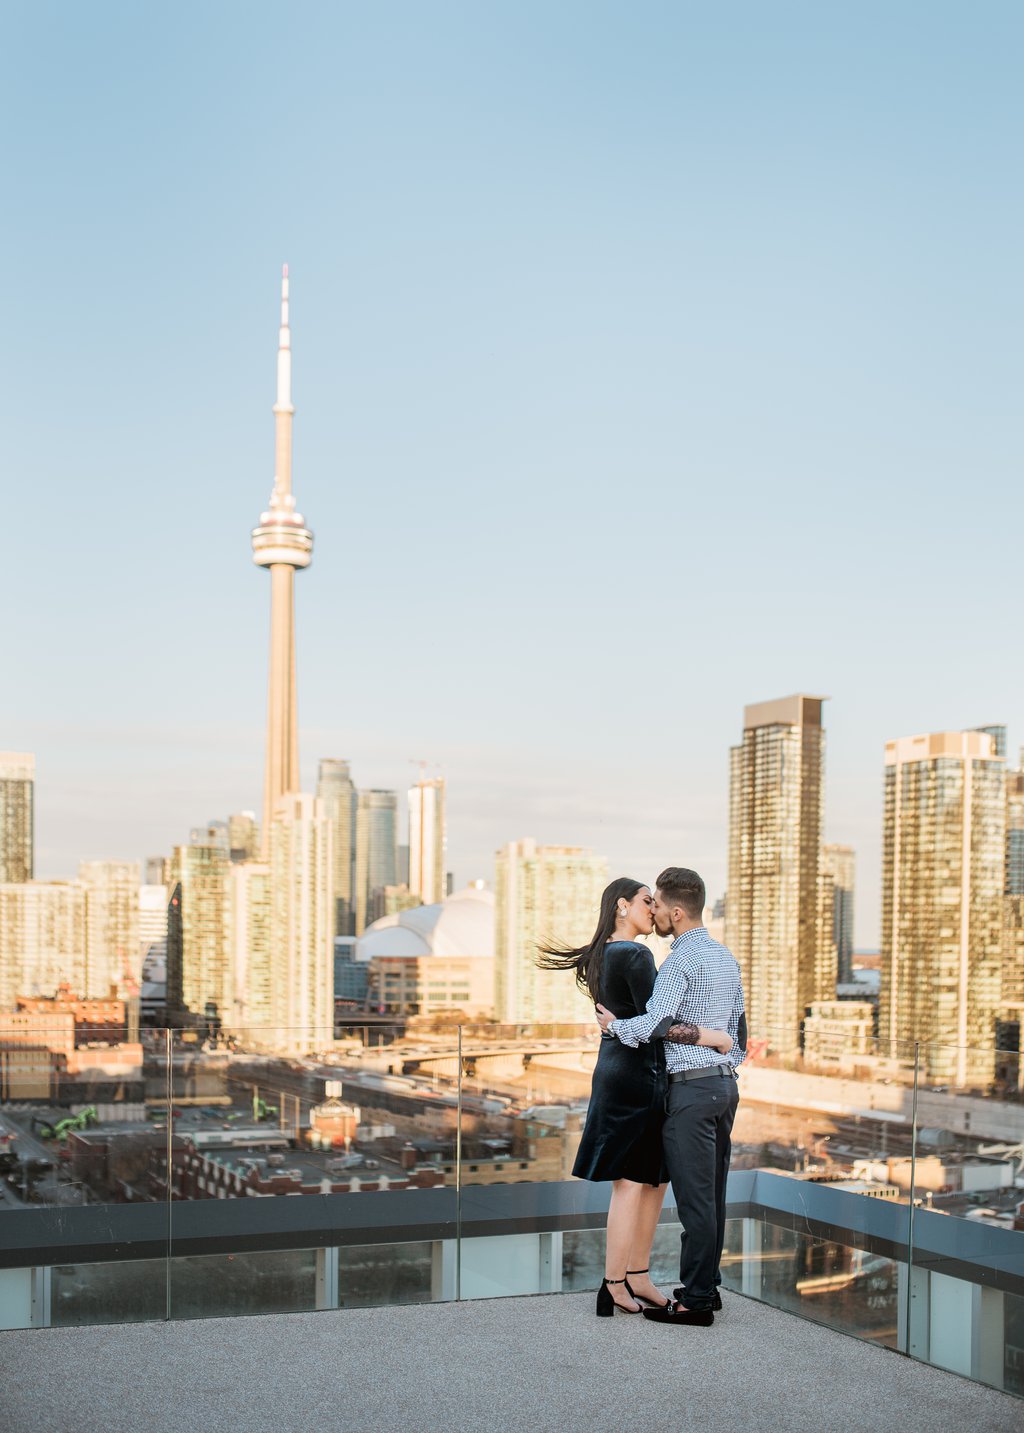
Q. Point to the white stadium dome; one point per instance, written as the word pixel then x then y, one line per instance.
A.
pixel 462 925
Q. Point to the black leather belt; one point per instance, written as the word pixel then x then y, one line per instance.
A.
pixel 725 1071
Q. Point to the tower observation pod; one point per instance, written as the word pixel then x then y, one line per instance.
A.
pixel 282 542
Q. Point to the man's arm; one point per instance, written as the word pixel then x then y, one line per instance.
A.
pixel 662 1008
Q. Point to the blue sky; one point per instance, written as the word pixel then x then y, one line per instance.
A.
pixel 650 359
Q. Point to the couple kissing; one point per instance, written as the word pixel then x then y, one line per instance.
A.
pixel 664 1092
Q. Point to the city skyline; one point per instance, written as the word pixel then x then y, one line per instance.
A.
pixel 555 296
pixel 868 910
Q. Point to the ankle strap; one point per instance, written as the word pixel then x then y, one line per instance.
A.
pixel 638 1271
pixel 615 1281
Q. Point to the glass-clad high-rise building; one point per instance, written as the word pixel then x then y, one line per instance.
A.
pixel 943 876
pixel 838 870
pixel 1012 995
pixel 428 842
pixel 336 789
pixel 17 816
pixel 544 895
pixel 773 918
pixel 376 861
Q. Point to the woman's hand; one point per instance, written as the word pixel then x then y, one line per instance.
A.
pixel 717 1040
pixel 604 1018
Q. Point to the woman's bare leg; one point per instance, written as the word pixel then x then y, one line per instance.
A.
pixel 648 1212
pixel 623 1214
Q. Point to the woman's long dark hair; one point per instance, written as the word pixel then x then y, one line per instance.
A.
pixel 588 960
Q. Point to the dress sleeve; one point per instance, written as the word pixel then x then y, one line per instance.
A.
pixel 640 973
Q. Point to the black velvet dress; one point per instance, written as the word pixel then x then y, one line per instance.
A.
pixel 622 1135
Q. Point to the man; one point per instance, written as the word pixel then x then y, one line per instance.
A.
pixel 699 984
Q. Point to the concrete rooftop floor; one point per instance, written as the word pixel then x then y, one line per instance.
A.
pixel 541 1364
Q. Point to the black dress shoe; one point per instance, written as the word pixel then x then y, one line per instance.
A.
pixel 675 1314
pixel 716 1302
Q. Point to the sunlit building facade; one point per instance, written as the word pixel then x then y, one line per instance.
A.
pixel 838 870
pixel 837 1031
pixel 544 895
pixel 943 874
pixel 336 789
pixel 152 918
pixel 43 938
pixel 428 841
pixel 112 938
pixel 244 836
pixel 199 931
pixel 17 816
pixel 301 923
pixel 773 914
pixel 1012 997
pixel 250 901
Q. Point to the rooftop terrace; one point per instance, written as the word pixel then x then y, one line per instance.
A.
pixel 541 1363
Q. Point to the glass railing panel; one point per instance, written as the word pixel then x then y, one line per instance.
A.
pixel 968 1246
pixel 265 1281
pixel 844 1286
pixel 831 1115
pixel 835 1113
pixel 381 1275
pixel 82 1128
pixel 289 1141
pixel 119 1292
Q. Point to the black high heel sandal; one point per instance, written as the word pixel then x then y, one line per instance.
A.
pixel 642 1298
pixel 606 1304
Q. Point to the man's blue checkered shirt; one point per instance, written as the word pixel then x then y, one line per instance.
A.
pixel 700 984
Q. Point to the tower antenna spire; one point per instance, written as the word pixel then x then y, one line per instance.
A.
pixel 284 359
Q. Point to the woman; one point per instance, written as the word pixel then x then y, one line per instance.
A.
pixel 622 1137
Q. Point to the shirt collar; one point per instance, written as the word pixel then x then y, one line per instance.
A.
pixel 688 938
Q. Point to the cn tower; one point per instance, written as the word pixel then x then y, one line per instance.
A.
pixel 283 543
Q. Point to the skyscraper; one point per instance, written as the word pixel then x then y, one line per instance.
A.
pixel 83 933
pixel 17 819
pixel 198 930
pixel 1012 995
pixel 43 939
pixel 152 918
pixel 157 870
pixel 336 790
pixel 544 895
pixel 773 912
pixel 112 935
pixel 838 868
pixel 942 901
pixel 1014 875
pixel 250 895
pixel 301 923
pixel 376 853
pixel 283 543
pixel 243 836
pixel 428 841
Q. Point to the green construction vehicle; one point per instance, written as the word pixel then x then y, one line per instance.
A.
pixel 61 1128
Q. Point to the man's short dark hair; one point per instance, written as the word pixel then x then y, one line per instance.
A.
pixel 679 886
